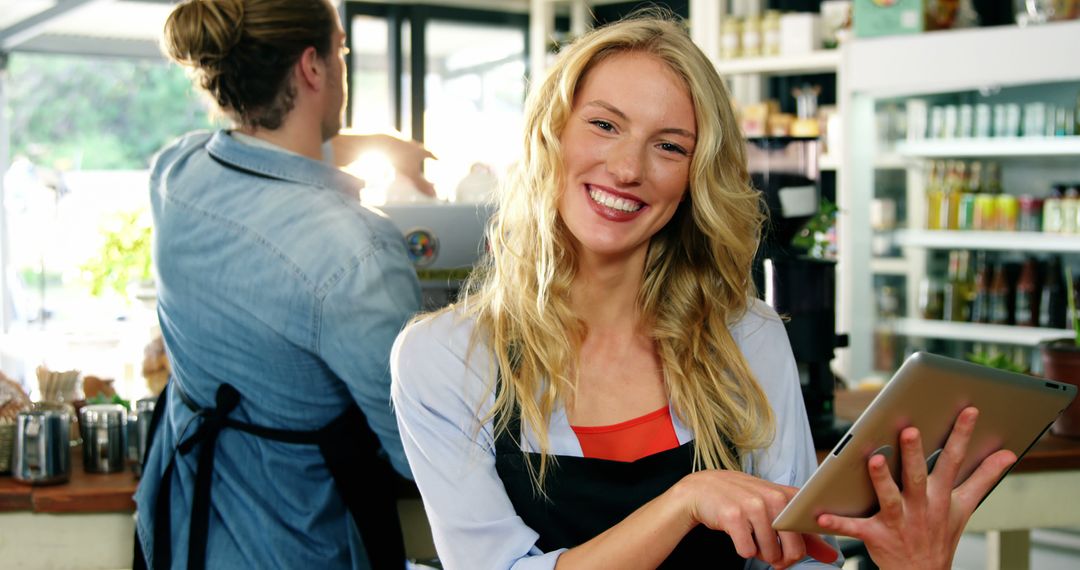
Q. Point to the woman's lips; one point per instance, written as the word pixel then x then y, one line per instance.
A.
pixel 614 206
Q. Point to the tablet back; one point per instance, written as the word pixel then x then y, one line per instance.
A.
pixel 928 392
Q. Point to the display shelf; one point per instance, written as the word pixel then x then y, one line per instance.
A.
pixel 829 162
pixel 991 241
pixel 984 60
pixel 891 161
pixel 1003 148
pixel 820 61
pixel 889 265
pixel 976 332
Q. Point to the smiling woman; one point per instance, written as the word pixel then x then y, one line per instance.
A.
pixel 609 391
pixel 627 145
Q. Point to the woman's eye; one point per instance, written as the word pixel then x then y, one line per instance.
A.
pixel 670 147
pixel 601 124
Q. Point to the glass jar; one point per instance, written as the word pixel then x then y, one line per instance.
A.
pixel 751 36
pixel 1030 214
pixel 770 33
pixel 730 38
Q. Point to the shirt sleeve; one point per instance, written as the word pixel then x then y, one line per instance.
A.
pixel 360 317
pixel 790 459
pixel 441 387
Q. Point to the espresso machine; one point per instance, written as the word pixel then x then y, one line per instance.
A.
pixel 444 242
pixel 801 288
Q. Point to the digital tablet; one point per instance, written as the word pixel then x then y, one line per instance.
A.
pixel 928 392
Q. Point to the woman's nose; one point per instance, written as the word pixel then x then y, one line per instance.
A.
pixel 626 163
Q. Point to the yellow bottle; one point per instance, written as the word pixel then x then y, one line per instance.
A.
pixel 935 196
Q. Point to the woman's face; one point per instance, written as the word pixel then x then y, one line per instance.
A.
pixel 626 154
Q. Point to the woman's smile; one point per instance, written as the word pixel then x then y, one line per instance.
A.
pixel 614 205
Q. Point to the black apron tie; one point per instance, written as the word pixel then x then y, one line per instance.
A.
pixel 214 420
pixel 349 448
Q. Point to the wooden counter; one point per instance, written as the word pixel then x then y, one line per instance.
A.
pixel 84 493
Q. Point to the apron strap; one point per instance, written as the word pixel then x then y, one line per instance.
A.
pixel 351 452
pixel 349 448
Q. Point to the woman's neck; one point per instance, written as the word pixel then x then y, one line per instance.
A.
pixel 605 291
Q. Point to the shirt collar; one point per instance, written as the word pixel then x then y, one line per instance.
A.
pixel 282 165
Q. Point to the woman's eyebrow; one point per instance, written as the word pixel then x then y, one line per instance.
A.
pixel 615 110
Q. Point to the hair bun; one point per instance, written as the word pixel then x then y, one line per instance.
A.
pixel 201 33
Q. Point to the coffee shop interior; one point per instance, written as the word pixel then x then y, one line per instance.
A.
pixel 920 161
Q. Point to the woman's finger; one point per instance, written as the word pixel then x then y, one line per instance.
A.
pixel 971 492
pixel 913 460
pixel 743 540
pixel 844 526
pixel 768 544
pixel 948 464
pixel 792 548
pixel 890 501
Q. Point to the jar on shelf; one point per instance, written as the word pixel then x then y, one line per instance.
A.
pixel 751 36
pixel 1051 215
pixel 1030 214
pixel 1069 209
pixel 770 33
pixel 730 38
pixel 1008 212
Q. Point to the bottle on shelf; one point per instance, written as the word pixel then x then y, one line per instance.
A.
pixel 1027 294
pixel 999 297
pixel 992 182
pixel 980 307
pixel 935 196
pixel 885 340
pixel 1051 214
pixel 1052 302
pixel 973 189
pixel 959 289
pixel 954 192
pixel 1069 209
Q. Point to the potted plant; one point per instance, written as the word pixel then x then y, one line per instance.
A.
pixel 123 264
pixel 1061 362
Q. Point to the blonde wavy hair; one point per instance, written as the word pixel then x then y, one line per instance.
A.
pixel 697 272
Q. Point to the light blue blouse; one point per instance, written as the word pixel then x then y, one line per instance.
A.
pixel 442 388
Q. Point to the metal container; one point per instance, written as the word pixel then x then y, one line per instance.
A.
pixel 139 432
pixel 43 445
pixel 104 434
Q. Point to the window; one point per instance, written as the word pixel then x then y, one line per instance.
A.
pixel 461 90
pixel 76 218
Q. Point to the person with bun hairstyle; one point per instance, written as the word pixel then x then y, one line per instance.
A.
pixel 279 297
pixel 608 391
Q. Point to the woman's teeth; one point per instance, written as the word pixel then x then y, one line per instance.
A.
pixel 614 202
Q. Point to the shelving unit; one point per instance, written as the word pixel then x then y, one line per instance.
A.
pixel 991 241
pixel 898 67
pixel 820 61
pixel 1007 148
pixel 976 332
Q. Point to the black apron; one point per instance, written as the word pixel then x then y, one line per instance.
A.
pixel 348 446
pixel 587 496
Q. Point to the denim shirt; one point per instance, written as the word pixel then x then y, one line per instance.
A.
pixel 273 278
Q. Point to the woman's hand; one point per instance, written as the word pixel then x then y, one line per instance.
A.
pixel 920 526
pixel 407 156
pixel 744 507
